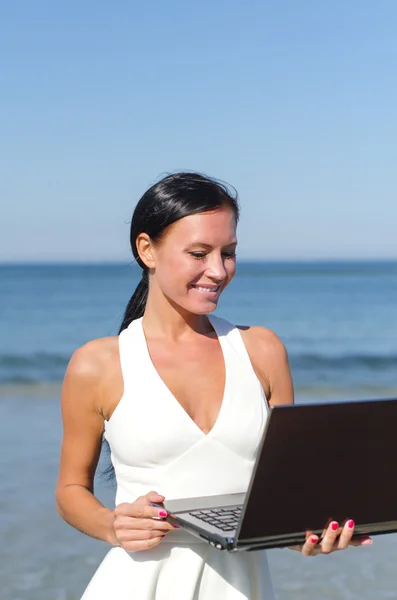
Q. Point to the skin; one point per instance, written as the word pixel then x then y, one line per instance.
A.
pixel 196 251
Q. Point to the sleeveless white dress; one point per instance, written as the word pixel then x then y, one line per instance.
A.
pixel 155 445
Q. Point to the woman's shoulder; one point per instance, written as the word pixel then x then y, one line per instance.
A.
pixel 269 359
pixel 262 340
pixel 93 359
pixel 93 380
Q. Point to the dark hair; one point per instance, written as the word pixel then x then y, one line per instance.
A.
pixel 172 198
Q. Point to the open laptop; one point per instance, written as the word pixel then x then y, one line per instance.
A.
pixel 316 463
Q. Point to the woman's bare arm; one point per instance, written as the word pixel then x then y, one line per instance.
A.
pixel 83 425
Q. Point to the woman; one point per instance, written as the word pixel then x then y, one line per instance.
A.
pixel 183 398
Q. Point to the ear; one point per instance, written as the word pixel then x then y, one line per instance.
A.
pixel 144 247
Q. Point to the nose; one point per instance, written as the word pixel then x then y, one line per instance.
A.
pixel 216 268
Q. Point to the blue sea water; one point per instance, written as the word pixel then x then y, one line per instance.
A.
pixel 339 324
pixel 338 320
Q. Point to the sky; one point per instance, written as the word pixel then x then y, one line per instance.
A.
pixel 293 102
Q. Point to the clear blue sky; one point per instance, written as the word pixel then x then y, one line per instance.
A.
pixel 293 102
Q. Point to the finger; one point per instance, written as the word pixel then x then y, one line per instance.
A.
pixel 346 535
pixel 131 523
pixel 327 544
pixel 141 545
pixel 362 541
pixel 152 524
pixel 310 547
pixel 299 547
pixel 139 511
pixel 135 535
pixel 150 497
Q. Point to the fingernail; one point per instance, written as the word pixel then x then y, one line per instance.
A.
pixel 313 540
pixel 162 513
pixel 334 526
pixel 350 524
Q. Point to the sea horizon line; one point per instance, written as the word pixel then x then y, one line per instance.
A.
pixel 245 260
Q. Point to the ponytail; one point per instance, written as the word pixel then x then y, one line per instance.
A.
pixel 137 304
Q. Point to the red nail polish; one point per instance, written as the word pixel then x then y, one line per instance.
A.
pixel 162 513
pixel 313 540
pixel 350 524
pixel 334 526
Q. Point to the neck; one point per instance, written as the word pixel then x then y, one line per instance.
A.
pixel 163 318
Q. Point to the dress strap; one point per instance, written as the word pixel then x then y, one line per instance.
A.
pixel 231 333
pixel 130 352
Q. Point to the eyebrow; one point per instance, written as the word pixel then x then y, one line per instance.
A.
pixel 208 246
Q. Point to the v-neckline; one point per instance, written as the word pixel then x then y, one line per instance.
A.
pixel 175 401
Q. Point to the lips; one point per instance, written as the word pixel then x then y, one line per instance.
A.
pixel 207 289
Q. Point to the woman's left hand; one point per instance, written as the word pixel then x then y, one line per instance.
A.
pixel 334 538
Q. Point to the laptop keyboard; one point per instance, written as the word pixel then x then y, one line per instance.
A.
pixel 225 519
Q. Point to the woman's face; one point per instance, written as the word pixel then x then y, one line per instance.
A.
pixel 196 259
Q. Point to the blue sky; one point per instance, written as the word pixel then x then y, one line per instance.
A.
pixel 292 102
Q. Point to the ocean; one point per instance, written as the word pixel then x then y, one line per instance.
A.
pixel 338 321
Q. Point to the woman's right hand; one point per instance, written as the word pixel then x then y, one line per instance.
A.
pixel 139 526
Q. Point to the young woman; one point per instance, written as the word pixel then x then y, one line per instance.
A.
pixel 182 397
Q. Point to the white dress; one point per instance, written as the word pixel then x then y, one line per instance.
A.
pixel 155 445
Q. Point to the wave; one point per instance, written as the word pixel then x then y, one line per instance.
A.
pixel 314 392
pixel 37 359
pixel 32 368
pixel 46 367
pixel 374 362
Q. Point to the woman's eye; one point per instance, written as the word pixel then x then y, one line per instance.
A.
pixel 202 255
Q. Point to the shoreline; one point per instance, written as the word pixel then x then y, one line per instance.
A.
pixel 44 389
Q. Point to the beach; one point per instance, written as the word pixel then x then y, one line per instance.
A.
pixel 339 324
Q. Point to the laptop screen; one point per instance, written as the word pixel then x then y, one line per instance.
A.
pixel 323 462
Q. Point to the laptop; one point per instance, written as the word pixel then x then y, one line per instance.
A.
pixel 316 463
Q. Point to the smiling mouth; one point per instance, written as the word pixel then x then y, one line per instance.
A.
pixel 207 289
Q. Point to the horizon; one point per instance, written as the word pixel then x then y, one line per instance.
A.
pixel 281 261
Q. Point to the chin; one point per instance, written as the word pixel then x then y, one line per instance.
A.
pixel 204 308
